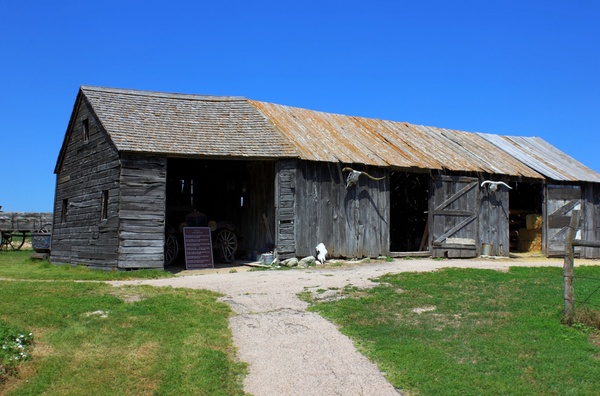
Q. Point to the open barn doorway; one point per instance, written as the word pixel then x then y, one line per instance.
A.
pixel 409 196
pixel 525 218
pixel 234 198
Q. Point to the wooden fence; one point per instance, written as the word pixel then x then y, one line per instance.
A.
pixel 569 263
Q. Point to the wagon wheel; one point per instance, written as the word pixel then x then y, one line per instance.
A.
pixel 171 248
pixel 45 229
pixel 12 240
pixel 226 242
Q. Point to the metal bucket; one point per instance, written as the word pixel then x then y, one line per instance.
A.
pixel 266 258
pixel 486 249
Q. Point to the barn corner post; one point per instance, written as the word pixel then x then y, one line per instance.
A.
pixel 569 291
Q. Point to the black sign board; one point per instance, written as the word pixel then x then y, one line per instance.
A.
pixel 198 248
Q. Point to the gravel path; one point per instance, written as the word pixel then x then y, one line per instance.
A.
pixel 294 352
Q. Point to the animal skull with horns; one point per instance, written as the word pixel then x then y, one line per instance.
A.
pixel 493 185
pixel 353 176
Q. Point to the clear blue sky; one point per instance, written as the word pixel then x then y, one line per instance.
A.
pixel 513 67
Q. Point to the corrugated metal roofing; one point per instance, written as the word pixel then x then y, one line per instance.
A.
pixel 544 158
pixel 194 125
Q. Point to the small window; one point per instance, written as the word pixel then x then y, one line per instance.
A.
pixel 86 130
pixel 104 205
pixel 65 206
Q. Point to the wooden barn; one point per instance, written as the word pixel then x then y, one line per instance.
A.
pixel 136 166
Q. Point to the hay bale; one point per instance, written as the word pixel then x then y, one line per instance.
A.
pixel 530 240
pixel 533 221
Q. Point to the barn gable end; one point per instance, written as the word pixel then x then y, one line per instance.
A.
pixel 87 194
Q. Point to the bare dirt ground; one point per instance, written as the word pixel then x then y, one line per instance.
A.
pixel 294 352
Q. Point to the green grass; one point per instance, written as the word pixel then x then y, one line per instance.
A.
pixel 90 337
pixel 18 265
pixel 477 332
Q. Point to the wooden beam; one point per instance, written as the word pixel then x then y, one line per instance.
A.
pixel 569 294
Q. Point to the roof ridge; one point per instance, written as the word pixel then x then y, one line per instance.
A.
pixel 138 92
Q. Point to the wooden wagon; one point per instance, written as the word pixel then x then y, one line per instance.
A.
pixel 15 226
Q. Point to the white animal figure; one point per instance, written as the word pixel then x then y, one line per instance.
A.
pixel 321 252
pixel 493 185
pixel 353 176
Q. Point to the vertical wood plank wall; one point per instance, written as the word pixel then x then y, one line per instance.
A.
pixel 142 212
pixel 351 222
pixel 88 169
pixel 590 219
pixel 494 221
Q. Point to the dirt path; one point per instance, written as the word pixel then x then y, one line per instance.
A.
pixel 294 352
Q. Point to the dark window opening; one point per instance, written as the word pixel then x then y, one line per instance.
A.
pixel 409 197
pixel 65 206
pixel 86 130
pixel 104 205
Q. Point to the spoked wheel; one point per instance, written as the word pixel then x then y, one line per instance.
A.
pixel 12 240
pixel 227 244
pixel 171 248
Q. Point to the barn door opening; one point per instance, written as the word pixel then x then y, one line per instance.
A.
pixel 526 218
pixel 560 201
pixel 409 194
pixel 234 198
pixel 454 216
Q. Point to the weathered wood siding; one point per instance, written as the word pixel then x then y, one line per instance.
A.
pixel 285 208
pixel 351 222
pixel 87 169
pixel 559 202
pixel 142 212
pixel 590 224
pixel 494 221
pixel 453 216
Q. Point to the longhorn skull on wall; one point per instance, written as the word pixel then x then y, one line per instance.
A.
pixel 353 176
pixel 493 185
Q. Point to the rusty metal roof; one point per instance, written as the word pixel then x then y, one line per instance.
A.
pixel 209 126
pixel 319 136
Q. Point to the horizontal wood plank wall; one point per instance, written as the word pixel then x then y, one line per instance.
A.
pixel 142 212
pixel 494 220
pixel 88 169
pixel 285 208
pixel 590 219
pixel 350 222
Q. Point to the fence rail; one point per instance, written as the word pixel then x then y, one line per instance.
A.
pixel 569 263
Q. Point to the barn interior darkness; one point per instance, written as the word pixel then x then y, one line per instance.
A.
pixel 409 194
pixel 235 191
pixel 214 188
pixel 525 199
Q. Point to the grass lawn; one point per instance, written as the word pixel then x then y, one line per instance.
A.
pixel 17 265
pixel 474 332
pixel 92 338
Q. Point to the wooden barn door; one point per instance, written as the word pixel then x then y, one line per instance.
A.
pixel 454 216
pixel 559 203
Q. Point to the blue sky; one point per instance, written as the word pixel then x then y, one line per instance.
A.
pixel 525 68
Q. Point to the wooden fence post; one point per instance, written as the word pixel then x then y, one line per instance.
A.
pixel 568 265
